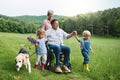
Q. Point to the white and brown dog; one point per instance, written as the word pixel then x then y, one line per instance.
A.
pixel 23 58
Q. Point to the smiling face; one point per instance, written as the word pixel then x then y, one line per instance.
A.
pixel 55 24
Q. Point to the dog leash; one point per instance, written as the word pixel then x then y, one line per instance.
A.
pixel 32 54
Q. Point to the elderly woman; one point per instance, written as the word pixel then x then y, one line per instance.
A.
pixel 55 37
pixel 46 23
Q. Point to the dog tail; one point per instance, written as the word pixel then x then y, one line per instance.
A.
pixel 22 50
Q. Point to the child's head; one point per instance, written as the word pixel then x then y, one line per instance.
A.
pixel 86 34
pixel 40 33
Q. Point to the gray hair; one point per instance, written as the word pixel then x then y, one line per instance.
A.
pixel 50 12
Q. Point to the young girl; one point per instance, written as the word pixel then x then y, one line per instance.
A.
pixel 41 51
pixel 85 48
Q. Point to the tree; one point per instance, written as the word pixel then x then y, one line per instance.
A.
pixel 117 28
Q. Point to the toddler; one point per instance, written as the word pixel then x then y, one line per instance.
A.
pixel 41 51
pixel 85 48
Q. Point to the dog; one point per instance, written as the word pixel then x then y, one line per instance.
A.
pixel 23 58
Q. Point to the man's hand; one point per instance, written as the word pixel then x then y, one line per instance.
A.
pixel 74 32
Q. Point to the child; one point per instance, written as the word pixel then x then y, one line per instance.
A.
pixel 41 51
pixel 85 47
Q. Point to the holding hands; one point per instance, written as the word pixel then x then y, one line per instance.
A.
pixel 74 33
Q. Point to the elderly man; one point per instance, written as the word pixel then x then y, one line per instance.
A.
pixel 55 37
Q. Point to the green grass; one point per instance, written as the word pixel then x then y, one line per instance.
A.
pixel 104 63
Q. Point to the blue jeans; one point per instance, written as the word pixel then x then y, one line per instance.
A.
pixel 86 56
pixel 64 49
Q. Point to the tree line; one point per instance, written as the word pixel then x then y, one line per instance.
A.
pixel 22 24
pixel 105 22
pixel 8 24
pixel 34 19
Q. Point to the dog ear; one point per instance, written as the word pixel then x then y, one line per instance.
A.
pixel 26 56
pixel 16 59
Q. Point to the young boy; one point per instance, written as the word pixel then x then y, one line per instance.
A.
pixel 85 47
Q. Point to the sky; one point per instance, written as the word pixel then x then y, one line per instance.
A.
pixel 60 7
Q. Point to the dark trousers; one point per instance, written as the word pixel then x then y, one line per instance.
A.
pixel 64 49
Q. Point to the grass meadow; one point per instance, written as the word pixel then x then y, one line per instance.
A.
pixel 104 63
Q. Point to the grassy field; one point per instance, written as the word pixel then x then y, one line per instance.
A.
pixel 104 63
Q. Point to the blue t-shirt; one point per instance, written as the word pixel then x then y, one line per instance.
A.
pixel 41 49
pixel 85 45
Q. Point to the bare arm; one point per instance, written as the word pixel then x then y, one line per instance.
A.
pixel 43 25
pixel 77 37
pixel 36 44
pixel 91 49
pixel 71 34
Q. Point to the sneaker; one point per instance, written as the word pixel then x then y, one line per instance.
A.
pixel 66 69
pixel 58 69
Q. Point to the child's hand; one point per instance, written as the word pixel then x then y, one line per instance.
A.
pixel 92 51
pixel 36 44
